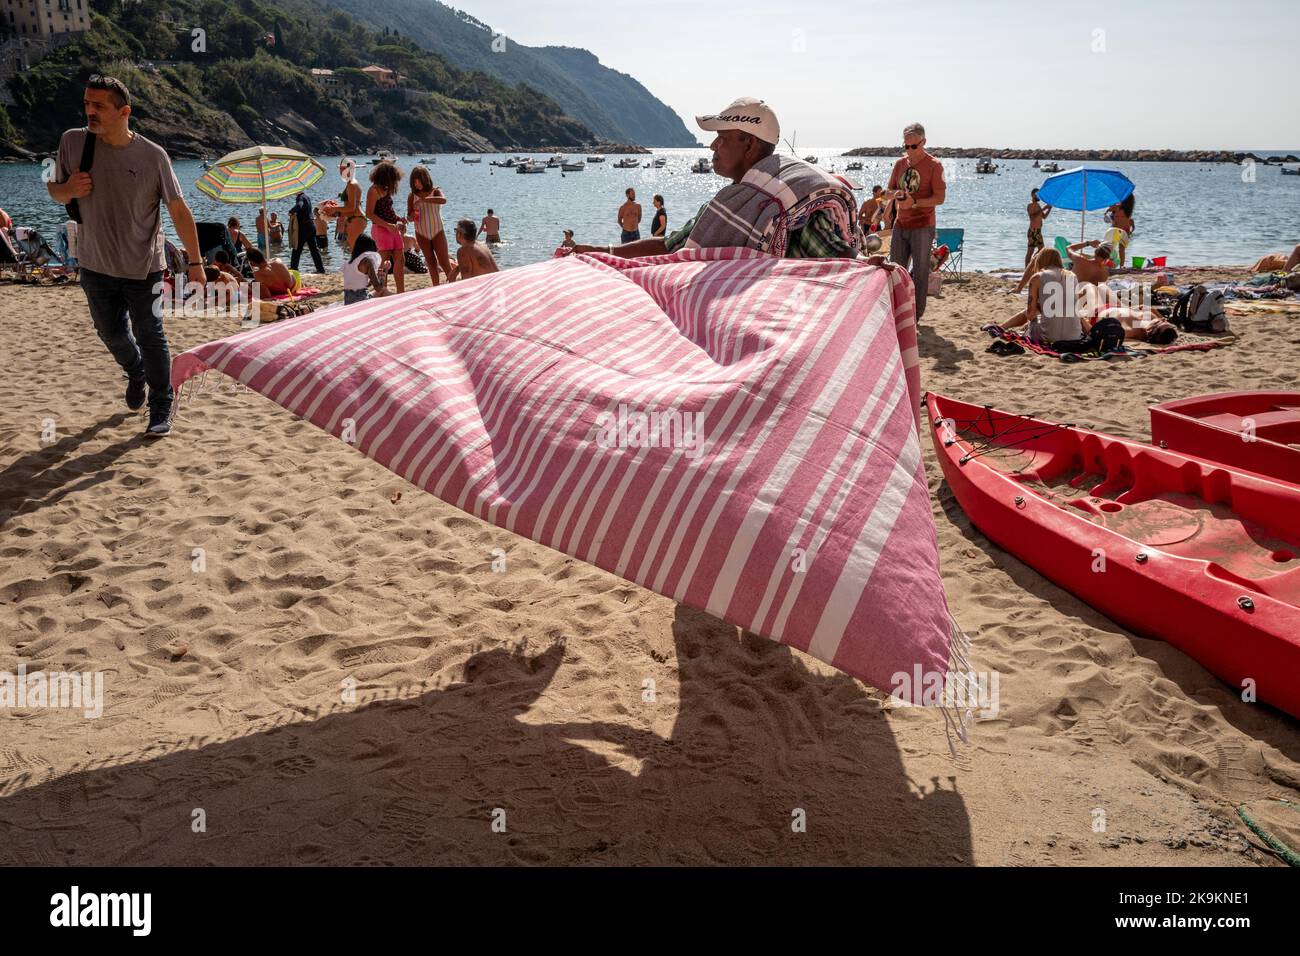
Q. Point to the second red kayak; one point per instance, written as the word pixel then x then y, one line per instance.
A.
pixel 1196 553
pixel 1254 431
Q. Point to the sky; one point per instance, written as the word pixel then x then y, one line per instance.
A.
pixel 1179 74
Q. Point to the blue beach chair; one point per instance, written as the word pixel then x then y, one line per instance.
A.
pixel 954 240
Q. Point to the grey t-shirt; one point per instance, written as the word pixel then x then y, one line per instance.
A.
pixel 121 222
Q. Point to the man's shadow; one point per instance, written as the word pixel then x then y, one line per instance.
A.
pixel 767 762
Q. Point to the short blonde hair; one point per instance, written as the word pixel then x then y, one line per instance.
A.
pixel 916 128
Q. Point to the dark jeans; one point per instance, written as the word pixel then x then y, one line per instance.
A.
pixel 144 354
pixel 307 239
pixel 912 247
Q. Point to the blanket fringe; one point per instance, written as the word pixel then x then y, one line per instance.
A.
pixel 958 720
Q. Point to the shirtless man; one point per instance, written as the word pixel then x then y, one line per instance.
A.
pixel 472 258
pixel 629 217
pixel 492 226
pixel 272 276
pixel 871 210
pixel 1037 213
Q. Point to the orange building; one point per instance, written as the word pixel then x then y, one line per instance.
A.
pixel 44 18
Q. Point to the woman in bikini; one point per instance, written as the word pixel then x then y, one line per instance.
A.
pixel 352 219
pixel 424 208
pixel 386 228
pixel 1120 216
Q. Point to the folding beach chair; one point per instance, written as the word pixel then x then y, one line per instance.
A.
pixel 214 236
pixel 12 258
pixel 954 239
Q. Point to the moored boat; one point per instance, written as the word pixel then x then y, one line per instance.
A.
pixel 701 165
pixel 628 163
pixel 595 159
pixel 1052 167
pixel 1199 554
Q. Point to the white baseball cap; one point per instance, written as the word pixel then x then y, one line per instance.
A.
pixel 747 113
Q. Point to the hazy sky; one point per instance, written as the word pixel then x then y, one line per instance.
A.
pixel 1052 73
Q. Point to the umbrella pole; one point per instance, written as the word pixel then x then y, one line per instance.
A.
pixel 1083 213
pixel 266 226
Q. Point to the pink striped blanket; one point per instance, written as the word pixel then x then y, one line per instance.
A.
pixel 729 429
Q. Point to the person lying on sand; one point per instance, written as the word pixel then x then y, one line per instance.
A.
pixel 221 260
pixel 473 258
pixel 1278 262
pixel 273 277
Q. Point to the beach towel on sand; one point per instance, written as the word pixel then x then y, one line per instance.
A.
pixel 732 430
pixel 1202 344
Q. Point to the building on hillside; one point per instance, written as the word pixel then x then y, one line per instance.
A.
pixel 383 78
pixel 43 18
pixel 329 80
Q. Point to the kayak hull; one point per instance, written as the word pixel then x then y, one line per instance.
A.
pixel 1197 554
pixel 1252 431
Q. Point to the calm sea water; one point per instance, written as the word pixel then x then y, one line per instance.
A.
pixel 1194 214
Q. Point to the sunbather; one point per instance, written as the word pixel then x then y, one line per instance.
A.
pixel 1052 311
pixel 273 277
pixel 1278 262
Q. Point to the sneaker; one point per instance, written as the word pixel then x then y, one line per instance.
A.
pixel 135 394
pixel 160 423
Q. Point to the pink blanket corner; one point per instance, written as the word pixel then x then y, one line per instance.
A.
pixel 735 431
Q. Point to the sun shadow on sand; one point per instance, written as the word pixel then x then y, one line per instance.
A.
pixel 948 356
pixel 415 779
pixel 33 481
pixel 1258 721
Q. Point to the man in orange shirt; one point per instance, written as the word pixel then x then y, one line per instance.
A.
pixel 917 185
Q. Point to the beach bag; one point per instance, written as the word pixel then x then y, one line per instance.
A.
pixel 1200 310
pixel 1106 336
pixel 414 262
pixel 87 160
pixel 935 284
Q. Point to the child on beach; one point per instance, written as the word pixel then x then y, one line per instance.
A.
pixel 386 228
pixel 424 208
pixel 365 270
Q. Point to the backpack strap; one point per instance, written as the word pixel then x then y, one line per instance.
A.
pixel 88 152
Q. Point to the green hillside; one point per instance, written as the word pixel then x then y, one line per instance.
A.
pixel 246 78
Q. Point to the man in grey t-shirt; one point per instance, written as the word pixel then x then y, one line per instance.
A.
pixel 120 241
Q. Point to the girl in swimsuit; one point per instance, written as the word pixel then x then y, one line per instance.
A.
pixel 424 208
pixel 386 228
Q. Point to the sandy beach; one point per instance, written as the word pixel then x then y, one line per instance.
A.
pixel 228 669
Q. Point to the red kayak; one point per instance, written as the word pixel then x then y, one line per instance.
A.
pixel 1195 553
pixel 1253 431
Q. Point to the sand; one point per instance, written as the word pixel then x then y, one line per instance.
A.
pixel 590 720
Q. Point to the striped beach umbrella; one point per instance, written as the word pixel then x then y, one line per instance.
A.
pixel 259 174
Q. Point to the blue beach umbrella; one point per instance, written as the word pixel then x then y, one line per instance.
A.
pixel 1084 188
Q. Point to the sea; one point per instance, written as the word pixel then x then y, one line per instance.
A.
pixel 1191 213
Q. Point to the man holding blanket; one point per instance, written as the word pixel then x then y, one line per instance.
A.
pixel 779 204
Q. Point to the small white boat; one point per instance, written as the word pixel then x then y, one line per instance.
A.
pixel 595 159
pixel 555 162
pixel 530 166
pixel 856 164
pixel 471 159
pixel 985 165
pixel 430 162
pixel 1052 167
pixel 701 165
pixel 628 163
pixel 573 167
